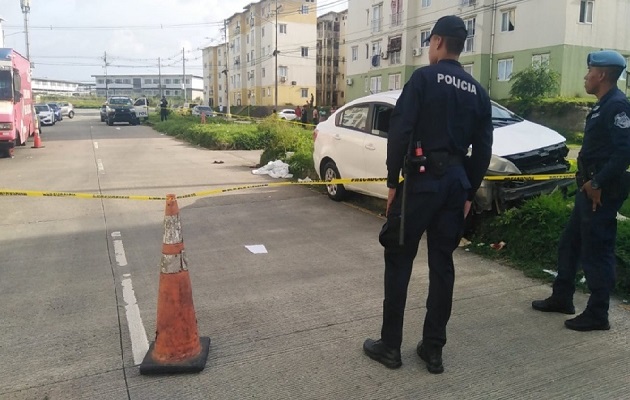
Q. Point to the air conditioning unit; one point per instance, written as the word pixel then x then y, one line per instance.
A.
pixel 417 52
pixel 384 55
pixel 293 83
pixel 349 81
pixel 283 79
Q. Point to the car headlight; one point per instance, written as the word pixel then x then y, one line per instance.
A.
pixel 6 126
pixel 133 110
pixel 501 166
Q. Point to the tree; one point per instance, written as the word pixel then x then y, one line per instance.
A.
pixel 534 83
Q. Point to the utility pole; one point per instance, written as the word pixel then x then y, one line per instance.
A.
pixel 160 76
pixel 275 53
pixel 26 8
pixel 184 76
pixel 227 69
pixel 106 78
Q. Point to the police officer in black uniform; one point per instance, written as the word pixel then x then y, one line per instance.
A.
pixel 441 112
pixel 590 234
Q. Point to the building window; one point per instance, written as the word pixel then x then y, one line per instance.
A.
pixel 304 10
pixel 262 31
pixel 263 72
pixel 394 57
pixel 304 51
pixel 468 68
pixel 268 92
pixel 375 84
pixel 395 82
pixel 147 81
pixel 304 93
pixel 247 39
pixel 505 69
pixel 424 36
pixel 507 20
pixel 426 3
pixel 376 54
pixel 586 11
pixel 397 12
pixel 355 53
pixel 167 81
pixel 377 18
pixel 469 45
pixel 540 60
pixel 156 81
pixel 99 81
pixel 283 71
pixel 167 92
pixel 176 81
pixel 283 28
pixel 127 81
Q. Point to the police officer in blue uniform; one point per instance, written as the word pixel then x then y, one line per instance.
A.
pixel 590 234
pixel 441 112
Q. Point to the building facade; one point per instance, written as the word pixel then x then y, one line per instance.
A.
pixel 250 55
pixel 385 42
pixel 213 75
pixel 61 87
pixel 171 85
pixel 331 59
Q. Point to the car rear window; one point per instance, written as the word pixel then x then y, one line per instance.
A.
pixel 355 117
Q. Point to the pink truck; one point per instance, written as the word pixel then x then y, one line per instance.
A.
pixel 16 101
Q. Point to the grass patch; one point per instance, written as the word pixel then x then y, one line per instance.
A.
pixel 532 233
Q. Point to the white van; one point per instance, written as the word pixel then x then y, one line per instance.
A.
pixel 352 143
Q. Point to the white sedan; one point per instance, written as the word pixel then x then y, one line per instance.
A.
pixel 287 114
pixel 45 113
pixel 352 143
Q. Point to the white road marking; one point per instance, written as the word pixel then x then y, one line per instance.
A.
pixel 96 145
pixel 100 165
pixel 137 333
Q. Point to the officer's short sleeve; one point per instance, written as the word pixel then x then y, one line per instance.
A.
pixel 618 124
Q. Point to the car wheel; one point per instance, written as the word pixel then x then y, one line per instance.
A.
pixel 336 192
pixel 102 119
pixel 71 114
pixel 110 122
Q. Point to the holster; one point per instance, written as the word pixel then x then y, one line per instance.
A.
pixel 435 162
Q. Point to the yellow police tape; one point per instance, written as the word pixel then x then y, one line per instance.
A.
pixel 212 192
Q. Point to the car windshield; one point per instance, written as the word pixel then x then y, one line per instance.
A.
pixel 53 106
pixel 204 108
pixel 504 114
pixel 6 92
pixel 121 102
pixel 41 108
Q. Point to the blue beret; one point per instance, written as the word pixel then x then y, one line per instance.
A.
pixel 606 58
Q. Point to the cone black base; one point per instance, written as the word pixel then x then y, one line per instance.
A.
pixel 196 364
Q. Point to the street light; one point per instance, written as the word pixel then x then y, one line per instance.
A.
pixel 26 8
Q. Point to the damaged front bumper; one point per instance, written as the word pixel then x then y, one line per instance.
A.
pixel 499 193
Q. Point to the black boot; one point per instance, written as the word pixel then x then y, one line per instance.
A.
pixel 587 322
pixel 379 351
pixel 554 304
pixel 432 355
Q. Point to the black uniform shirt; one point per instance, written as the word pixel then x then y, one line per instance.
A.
pixel 607 137
pixel 447 110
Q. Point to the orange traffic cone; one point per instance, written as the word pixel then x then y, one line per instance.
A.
pixel 37 141
pixel 177 347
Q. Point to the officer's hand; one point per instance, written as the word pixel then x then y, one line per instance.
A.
pixel 595 195
pixel 467 207
pixel 390 199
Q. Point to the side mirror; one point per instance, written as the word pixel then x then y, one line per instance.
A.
pixel 18 97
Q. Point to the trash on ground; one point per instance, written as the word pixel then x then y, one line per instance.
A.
pixel 117 129
pixel 275 169
pixel 307 179
pixel 550 272
pixel 621 217
pixel 498 246
pixel 257 248
pixel 217 162
pixel 481 244
pixel 463 242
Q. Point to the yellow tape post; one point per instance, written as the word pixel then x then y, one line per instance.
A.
pixel 212 192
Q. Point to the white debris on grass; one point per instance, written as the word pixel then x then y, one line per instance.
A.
pixel 275 169
pixel 621 217
pixel 555 274
pixel 307 179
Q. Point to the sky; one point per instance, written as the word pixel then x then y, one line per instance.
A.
pixel 68 38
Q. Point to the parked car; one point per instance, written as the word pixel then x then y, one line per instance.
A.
pixel 120 109
pixel 57 110
pixel 197 110
pixel 287 114
pixel 45 114
pixel 353 144
pixel 67 109
pixel 103 112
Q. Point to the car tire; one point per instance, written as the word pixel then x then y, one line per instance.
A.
pixel 110 122
pixel 336 192
pixel 71 114
pixel 102 119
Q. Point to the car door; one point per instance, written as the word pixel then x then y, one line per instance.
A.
pixel 375 148
pixel 348 136
pixel 141 108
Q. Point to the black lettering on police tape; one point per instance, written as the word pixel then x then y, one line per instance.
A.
pixel 58 194
pixel 367 180
pixel 13 194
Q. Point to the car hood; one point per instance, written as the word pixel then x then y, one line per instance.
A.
pixel 523 137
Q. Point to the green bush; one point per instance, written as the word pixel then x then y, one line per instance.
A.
pixel 535 83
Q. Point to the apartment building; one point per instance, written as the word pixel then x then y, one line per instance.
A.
pixel 331 59
pixel 385 39
pixel 171 85
pixel 213 76
pixel 253 36
pixel 60 87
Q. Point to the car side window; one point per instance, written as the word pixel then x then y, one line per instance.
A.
pixel 381 116
pixel 355 117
